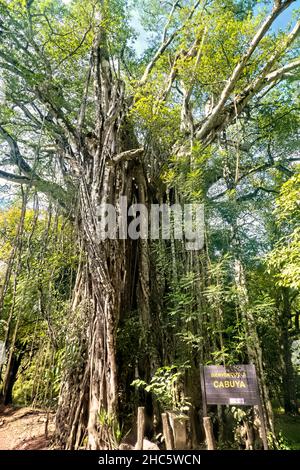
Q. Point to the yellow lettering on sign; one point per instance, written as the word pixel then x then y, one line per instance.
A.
pixel 231 375
pixel 229 384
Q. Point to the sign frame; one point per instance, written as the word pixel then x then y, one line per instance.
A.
pixel 243 388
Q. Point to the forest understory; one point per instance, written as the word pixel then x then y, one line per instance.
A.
pixel 149 224
pixel 25 428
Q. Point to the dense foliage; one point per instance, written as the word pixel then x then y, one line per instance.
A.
pixel 201 107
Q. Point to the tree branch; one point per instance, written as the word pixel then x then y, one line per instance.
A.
pixel 15 154
pixel 29 176
pixel 174 6
pixel 283 72
pixel 257 169
pixel 254 193
pixel 128 155
pixel 210 122
pixel 14 178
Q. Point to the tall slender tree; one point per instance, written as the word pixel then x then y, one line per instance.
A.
pixel 85 122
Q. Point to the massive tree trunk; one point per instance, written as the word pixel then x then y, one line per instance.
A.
pixel 114 274
pixel 102 296
pixel 110 169
pixel 254 349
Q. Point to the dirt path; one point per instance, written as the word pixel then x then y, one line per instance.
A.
pixel 24 429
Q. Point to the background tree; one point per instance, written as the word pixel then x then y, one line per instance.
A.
pixel 84 121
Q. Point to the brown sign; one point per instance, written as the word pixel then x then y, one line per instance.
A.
pixel 231 385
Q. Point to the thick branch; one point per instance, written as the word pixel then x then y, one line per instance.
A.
pixel 265 78
pixel 128 155
pixel 213 117
pixel 29 176
pixel 174 6
pixel 15 154
pixel 157 55
pixel 234 109
pixel 41 91
pixel 48 188
pixel 283 72
pixel 11 178
pixel 165 44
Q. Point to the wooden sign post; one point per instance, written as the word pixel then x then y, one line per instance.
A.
pixel 2 353
pixel 230 385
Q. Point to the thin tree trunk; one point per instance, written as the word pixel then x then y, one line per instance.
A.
pixel 288 382
pixel 11 377
pixel 253 345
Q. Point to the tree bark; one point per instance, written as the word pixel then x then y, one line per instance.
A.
pixel 11 377
pixel 104 277
pixel 101 300
pixel 288 382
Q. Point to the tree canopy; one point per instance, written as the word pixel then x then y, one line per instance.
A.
pixel 162 102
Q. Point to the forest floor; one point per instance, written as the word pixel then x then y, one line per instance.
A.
pixel 289 429
pixel 24 429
